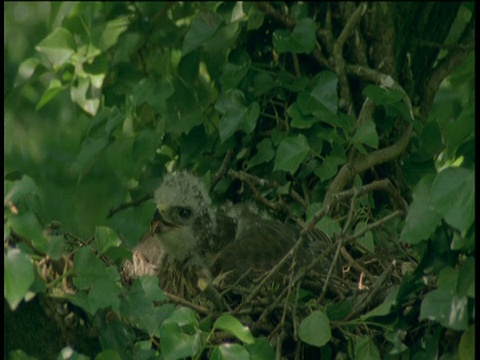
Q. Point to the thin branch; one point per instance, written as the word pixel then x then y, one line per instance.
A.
pixel 222 170
pixel 133 203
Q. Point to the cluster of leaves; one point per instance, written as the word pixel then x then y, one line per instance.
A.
pixel 178 85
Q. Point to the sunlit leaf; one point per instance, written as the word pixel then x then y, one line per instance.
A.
pixel 58 46
pixel 234 327
pixel 18 276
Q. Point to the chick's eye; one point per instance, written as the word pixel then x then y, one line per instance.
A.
pixel 185 213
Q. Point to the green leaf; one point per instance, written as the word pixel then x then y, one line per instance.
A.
pixel 260 350
pixel 383 96
pixel 249 120
pixel 429 142
pixel 291 152
pixel 262 83
pixel 87 268
pixel 153 93
pixel 329 167
pixel 138 305
pixel 449 310
pixel 110 354
pixel 54 88
pixel 58 47
pixel 466 347
pixel 25 70
pixel 22 355
pixel 78 94
pixel 365 349
pixel 460 130
pixel 176 344
pixel 300 121
pixel 422 217
pixel 231 104
pixel 385 307
pixel 18 276
pixel 103 294
pixel 70 354
pixel 255 18
pixel 264 154
pixel 315 329
pixel 301 40
pixel 325 92
pixel 229 352
pixel 466 279
pixel 339 310
pixel 232 74
pixel 366 134
pixel 395 338
pixel 105 238
pixel 453 195
pixel 203 27
pixel 184 317
pixel 234 327
pixel 113 29
pixel 56 247
pixel 26 224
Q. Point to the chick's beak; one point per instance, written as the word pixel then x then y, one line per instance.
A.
pixel 160 223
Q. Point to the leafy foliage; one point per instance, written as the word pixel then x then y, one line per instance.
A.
pixel 344 116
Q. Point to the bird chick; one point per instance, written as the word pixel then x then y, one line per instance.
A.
pixel 180 235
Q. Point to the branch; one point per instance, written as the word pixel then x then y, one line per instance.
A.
pixel 129 204
pixel 362 163
pixel 222 170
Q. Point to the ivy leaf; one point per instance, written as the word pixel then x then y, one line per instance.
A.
pixel 325 92
pixel 203 27
pixel 18 276
pixel 315 329
pixel 105 238
pixel 365 349
pixel 449 310
pixel 54 88
pixel 290 153
pixel 176 344
pixel 58 47
pixel 87 268
pixel 367 135
pixel 422 217
pixel 453 195
pixel 230 352
pixel 301 40
pixel 260 350
pixel 264 154
pixel 234 327
pixel 235 114
pixel 382 96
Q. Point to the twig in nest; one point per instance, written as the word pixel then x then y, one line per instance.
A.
pixel 182 301
pixel 250 180
pixel 270 308
pixel 355 264
pixel 375 289
pixel 129 204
